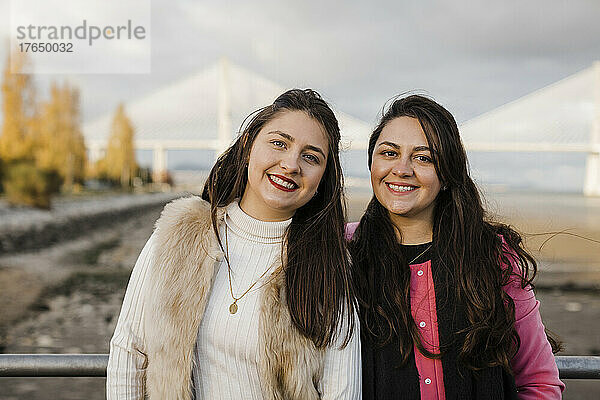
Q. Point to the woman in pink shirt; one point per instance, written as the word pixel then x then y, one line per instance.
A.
pixel 447 307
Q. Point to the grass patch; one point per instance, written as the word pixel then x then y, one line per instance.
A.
pixel 100 284
pixel 90 256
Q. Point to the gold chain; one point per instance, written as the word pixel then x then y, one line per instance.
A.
pixel 234 307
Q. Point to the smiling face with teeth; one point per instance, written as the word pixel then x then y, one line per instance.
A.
pixel 403 175
pixel 286 164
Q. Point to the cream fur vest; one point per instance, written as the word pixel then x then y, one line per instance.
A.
pixel 187 254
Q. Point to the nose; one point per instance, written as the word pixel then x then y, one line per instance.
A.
pixel 403 167
pixel 289 163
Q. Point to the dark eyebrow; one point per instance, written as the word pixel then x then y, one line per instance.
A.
pixel 422 148
pixel 317 149
pixel 391 144
pixel 282 134
pixel 291 139
pixel 397 147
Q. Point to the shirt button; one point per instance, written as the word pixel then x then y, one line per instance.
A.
pixel 427 381
pixel 422 324
pixel 420 272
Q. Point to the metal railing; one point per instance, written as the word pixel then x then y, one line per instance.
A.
pixel 578 367
pixel 91 365
pixel 43 365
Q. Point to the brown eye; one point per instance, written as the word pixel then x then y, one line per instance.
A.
pixel 423 159
pixel 312 158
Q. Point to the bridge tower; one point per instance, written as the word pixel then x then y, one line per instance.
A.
pixel 591 186
pixel 159 163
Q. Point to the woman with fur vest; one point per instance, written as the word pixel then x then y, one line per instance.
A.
pixel 245 292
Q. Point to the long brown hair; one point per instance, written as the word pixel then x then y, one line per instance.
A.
pixel 317 272
pixel 469 248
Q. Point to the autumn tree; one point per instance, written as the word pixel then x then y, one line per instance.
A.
pixel 22 180
pixel 119 164
pixel 19 110
pixel 61 145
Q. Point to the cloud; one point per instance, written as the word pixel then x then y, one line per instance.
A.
pixel 470 55
pixel 513 28
pixel 475 55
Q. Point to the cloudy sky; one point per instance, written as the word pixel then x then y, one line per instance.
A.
pixel 470 55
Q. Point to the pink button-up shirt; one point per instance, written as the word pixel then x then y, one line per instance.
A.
pixel 424 312
pixel 534 367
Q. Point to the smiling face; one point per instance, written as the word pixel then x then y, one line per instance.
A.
pixel 403 176
pixel 286 164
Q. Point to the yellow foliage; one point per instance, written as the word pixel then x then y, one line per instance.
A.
pixel 19 111
pixel 39 149
pixel 61 145
pixel 119 163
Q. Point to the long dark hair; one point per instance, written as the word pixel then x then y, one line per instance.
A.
pixel 469 248
pixel 317 272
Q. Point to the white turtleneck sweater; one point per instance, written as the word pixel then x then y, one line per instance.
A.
pixel 226 357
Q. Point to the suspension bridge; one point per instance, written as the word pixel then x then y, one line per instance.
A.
pixel 204 112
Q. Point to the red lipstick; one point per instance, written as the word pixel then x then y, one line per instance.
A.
pixel 283 178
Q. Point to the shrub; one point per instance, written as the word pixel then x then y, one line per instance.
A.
pixel 26 184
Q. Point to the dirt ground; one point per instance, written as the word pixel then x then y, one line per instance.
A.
pixel 65 299
pixel 73 309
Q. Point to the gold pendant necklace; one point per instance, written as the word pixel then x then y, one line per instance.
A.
pixel 233 307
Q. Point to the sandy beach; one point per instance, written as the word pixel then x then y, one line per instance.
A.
pixel 66 298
